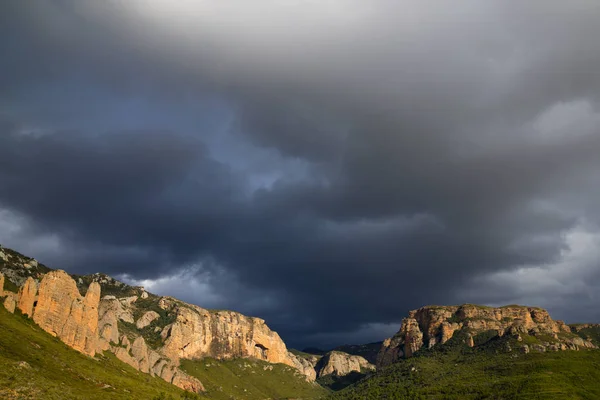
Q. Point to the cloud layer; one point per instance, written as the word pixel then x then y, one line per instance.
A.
pixel 325 165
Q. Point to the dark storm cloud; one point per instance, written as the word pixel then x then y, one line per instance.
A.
pixel 356 160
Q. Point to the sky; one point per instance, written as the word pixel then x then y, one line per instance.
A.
pixel 325 165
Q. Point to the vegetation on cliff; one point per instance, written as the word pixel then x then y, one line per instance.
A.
pixel 456 372
pixel 36 365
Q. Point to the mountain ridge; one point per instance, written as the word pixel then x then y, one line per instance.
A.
pixel 430 326
pixel 150 333
pixel 155 334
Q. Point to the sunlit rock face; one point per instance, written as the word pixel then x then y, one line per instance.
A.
pixel 148 332
pixel 28 296
pixel 63 312
pixel 433 325
pixel 340 364
pixel 197 333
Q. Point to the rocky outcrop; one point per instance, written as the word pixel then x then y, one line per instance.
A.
pixel 28 296
pixel 141 357
pixel 198 333
pixel 340 364
pixel 110 311
pixel 123 324
pixel 108 329
pixel 433 325
pixel 63 312
pixel 589 332
pixel 10 299
pixel 146 319
pixel 306 365
pixel 10 302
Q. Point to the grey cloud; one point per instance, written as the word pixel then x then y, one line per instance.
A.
pixel 394 154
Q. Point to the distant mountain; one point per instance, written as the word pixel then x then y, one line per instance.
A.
pixel 369 351
pixel 315 351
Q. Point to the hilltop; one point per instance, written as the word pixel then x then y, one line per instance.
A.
pixel 478 352
pixel 98 315
pixel 473 325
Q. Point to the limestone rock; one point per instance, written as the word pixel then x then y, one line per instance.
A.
pixel 433 325
pixel 110 311
pixel 123 355
pixel 146 319
pixel 305 365
pixel 186 382
pixel 91 325
pixel 148 361
pixel 63 312
pixel 28 296
pixel 128 301
pixel 10 303
pixel 107 319
pixel 580 327
pixel 340 364
pixel 198 333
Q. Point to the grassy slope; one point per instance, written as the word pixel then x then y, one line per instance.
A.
pixel 59 372
pixel 485 374
pixel 251 379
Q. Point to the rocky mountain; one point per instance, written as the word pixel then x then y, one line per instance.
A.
pixel 335 369
pixel 153 334
pixel 369 351
pixel 336 363
pixel 474 325
pixel 106 319
pixel 341 364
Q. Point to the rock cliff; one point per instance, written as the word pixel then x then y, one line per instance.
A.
pixel 28 296
pixel 197 333
pixel 306 365
pixel 8 298
pixel 63 312
pixel 433 325
pixel 340 364
pixel 148 332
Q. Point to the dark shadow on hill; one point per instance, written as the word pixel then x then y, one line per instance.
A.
pixel 336 383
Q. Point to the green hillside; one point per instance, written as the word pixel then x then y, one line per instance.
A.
pixel 35 365
pixel 488 372
pixel 252 380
